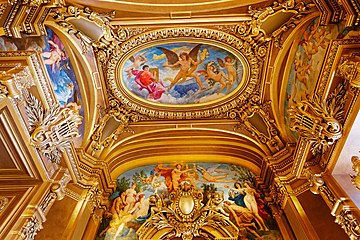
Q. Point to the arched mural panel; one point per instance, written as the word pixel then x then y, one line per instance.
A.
pixel 58 65
pixel 307 62
pixel 147 192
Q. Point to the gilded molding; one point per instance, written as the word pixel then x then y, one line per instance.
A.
pixel 349 69
pixel 52 129
pixel 346 219
pixel 3 202
pixel 115 112
pixel 73 195
pixel 355 179
pixel 254 31
pixel 253 115
pixel 318 121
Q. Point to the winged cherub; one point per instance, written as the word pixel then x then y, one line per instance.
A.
pixel 188 64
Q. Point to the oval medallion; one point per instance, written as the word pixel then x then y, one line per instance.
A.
pixel 182 73
pixel 186 204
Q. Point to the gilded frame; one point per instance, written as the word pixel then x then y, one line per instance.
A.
pixel 250 58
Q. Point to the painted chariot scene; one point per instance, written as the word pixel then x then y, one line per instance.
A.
pixel 144 192
pixel 182 73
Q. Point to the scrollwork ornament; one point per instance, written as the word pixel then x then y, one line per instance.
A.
pixel 350 71
pixel 319 121
pixel 254 32
pixel 355 179
pixel 346 219
pixel 253 108
pixel 30 229
pixel 53 129
pixel 186 217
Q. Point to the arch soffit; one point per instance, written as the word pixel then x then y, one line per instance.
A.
pixel 185 145
pixel 84 76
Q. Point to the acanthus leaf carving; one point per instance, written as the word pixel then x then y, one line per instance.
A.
pixel 319 121
pixel 52 129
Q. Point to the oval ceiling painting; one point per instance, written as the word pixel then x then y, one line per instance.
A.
pixel 182 73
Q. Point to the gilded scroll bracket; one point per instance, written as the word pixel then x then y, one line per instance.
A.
pixel 53 129
pixel 187 217
pixel 318 121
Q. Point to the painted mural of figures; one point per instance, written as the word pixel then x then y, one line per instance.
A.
pixel 155 182
pixel 141 207
pixel 208 175
pixel 166 173
pixel 243 217
pixel 236 194
pixel 54 56
pixel 177 175
pixel 187 62
pixel 251 204
pixel 137 61
pixel 129 198
pixel 217 76
pixel 191 175
pixel 146 80
pixel 229 64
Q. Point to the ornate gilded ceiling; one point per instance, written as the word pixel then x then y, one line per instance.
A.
pixel 272 87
